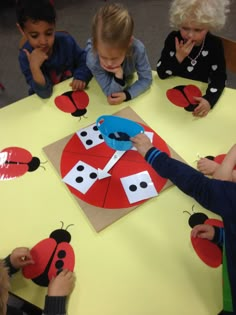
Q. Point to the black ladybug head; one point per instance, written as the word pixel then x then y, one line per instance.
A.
pixel 60 236
pixel 79 112
pixel 196 218
pixel 33 164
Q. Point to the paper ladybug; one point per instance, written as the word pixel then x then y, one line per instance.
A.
pixel 209 252
pixel 51 256
pixel 74 102
pixel 15 162
pixel 183 96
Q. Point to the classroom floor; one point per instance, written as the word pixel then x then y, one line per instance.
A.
pixel 74 16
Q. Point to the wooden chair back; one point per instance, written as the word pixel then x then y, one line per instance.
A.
pixel 230 53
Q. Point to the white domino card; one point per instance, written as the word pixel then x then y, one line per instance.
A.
pixel 90 136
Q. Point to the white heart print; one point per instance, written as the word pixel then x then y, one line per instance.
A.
pixel 159 63
pixel 204 53
pixel 213 90
pixel 214 67
pixel 172 53
pixel 190 68
pixel 169 72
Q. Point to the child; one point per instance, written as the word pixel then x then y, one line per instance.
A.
pixel 47 57
pixel 59 287
pixel 114 55
pixel 217 171
pixel 216 195
pixel 193 52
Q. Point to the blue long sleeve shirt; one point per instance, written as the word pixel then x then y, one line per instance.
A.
pixel 67 60
pixel 216 195
pixel 135 61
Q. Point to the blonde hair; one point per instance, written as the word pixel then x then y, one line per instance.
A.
pixel 113 25
pixel 208 13
pixel 4 288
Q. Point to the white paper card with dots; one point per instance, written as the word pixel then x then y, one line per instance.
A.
pixel 90 136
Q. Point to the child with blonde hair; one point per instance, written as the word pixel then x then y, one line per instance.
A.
pixel 192 51
pixel 114 54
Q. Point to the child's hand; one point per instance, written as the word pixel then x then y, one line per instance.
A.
pixel 142 143
pixel 21 257
pixel 36 58
pixel 62 285
pixel 203 231
pixel 77 85
pixel 203 107
pixel 116 98
pixel 183 49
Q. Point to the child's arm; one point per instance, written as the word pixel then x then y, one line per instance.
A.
pixel 217 71
pixel 39 83
pixel 19 258
pixel 168 64
pixel 216 195
pixel 225 169
pixel 143 69
pixel 59 288
pixel 209 232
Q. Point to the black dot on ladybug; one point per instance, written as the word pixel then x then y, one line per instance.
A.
pixel 143 185
pixel 79 179
pixel 83 134
pixel 59 264
pixel 132 187
pixel 89 142
pixel 95 128
pixel 80 168
pixel 93 175
pixel 61 254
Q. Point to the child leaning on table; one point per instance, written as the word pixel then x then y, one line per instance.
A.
pixel 114 55
pixel 48 57
pixel 216 195
pixel 192 51
pixel 59 287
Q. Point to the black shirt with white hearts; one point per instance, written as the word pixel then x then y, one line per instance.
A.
pixel 210 64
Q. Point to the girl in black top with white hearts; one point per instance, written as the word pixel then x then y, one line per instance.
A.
pixel 193 52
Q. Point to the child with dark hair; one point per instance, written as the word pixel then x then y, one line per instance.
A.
pixel 58 289
pixel 48 57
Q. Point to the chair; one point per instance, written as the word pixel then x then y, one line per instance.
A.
pixel 230 53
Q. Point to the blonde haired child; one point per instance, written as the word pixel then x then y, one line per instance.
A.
pixel 193 52
pixel 114 55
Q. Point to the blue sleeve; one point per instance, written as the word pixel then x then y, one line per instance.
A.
pixel 219 236
pixel 54 305
pixel 144 72
pixel 216 195
pixel 43 91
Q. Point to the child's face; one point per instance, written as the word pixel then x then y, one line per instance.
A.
pixel 110 57
pixel 40 34
pixel 193 32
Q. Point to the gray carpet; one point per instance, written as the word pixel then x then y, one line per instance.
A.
pixel 74 16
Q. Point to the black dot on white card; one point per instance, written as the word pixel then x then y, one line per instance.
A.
pixel 93 175
pixel 80 168
pixel 79 179
pixel 89 142
pixel 143 184
pixel 132 187
pixel 83 134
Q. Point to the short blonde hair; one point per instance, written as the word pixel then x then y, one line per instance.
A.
pixel 113 25
pixel 208 13
pixel 4 287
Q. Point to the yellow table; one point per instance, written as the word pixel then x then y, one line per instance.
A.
pixel 142 264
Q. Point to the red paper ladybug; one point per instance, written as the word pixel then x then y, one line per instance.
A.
pixel 51 256
pixel 73 102
pixel 183 96
pixel 15 162
pixel 208 252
